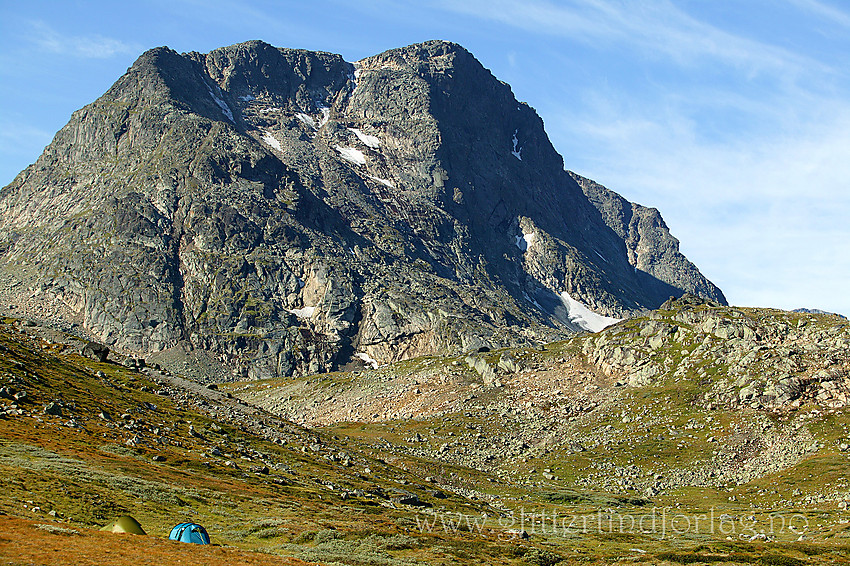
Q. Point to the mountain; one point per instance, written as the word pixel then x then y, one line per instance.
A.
pixel 278 211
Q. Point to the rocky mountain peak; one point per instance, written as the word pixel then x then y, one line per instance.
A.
pixel 286 211
pixel 428 57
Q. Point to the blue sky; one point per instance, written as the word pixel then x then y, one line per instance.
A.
pixel 732 118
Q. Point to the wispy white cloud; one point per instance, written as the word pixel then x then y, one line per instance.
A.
pixel 83 46
pixel 827 12
pixel 660 140
pixel 659 28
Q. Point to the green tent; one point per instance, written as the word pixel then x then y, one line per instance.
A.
pixel 125 524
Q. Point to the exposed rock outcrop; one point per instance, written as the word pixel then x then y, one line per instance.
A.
pixel 284 210
pixel 749 358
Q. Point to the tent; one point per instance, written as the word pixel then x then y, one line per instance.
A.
pixel 190 532
pixel 125 524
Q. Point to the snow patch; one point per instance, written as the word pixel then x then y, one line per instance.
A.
pixel 307 119
pixel 383 181
pixel 225 109
pixel 516 152
pixel 351 155
pixel 247 98
pixel 581 315
pixel 270 139
pixel 367 359
pixel 306 312
pixel 326 113
pixel 368 141
pixel 524 241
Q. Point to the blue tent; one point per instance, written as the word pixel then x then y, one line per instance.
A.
pixel 190 532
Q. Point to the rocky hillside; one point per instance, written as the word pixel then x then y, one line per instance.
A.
pixel 288 212
pixel 633 473
pixel 84 441
pixel 692 395
pixel 754 358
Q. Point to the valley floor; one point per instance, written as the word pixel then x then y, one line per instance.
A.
pixel 559 462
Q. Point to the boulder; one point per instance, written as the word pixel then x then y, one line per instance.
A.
pixel 95 351
pixel 482 367
pixel 510 364
pixel 53 408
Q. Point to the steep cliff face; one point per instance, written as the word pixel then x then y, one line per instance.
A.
pixel 286 210
pixel 650 247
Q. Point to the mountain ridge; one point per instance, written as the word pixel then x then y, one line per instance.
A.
pixel 284 209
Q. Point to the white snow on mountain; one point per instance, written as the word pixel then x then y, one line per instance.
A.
pixel 351 155
pixel 367 359
pixel 306 312
pixel 368 141
pixel 225 109
pixel 524 241
pixel 581 315
pixel 383 181
pixel 307 119
pixel 516 152
pixel 270 139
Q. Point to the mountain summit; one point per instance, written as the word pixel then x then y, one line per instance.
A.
pixel 288 212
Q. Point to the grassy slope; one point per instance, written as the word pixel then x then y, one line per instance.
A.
pixel 77 471
pixel 663 429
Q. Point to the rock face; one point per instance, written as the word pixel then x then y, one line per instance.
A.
pixel 650 247
pixel 745 358
pixel 284 210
